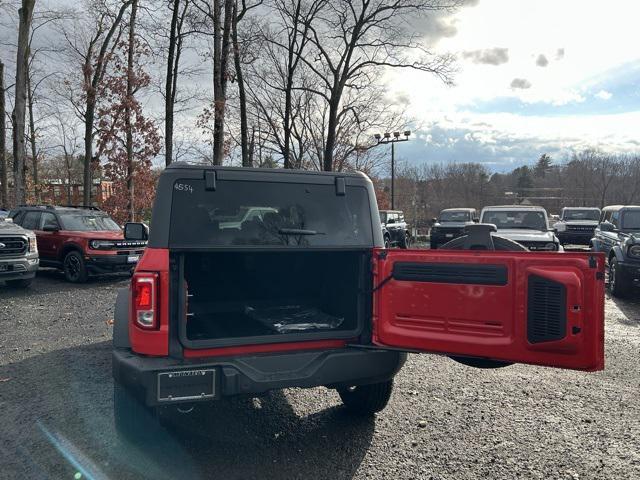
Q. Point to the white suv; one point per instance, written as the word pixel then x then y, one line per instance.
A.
pixel 527 225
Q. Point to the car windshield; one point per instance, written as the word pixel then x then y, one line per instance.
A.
pixel 631 220
pixel 455 216
pixel 524 219
pixel 281 214
pixel 88 223
pixel 581 215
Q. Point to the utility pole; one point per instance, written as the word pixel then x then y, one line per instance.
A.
pixel 383 140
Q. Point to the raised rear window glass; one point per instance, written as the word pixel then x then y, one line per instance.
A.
pixel 242 213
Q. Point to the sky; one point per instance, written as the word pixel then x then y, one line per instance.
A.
pixel 534 77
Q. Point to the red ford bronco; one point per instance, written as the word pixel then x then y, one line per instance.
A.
pixel 303 294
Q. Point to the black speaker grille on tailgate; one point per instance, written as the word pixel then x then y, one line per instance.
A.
pixel 546 311
pixel 451 273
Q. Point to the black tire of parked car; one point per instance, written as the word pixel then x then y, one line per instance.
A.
pixel 618 285
pixel 387 241
pixel 502 244
pixel 20 283
pixel 75 270
pixel 134 421
pixel 367 399
pixel 405 240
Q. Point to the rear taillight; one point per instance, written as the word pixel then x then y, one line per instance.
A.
pixel 145 300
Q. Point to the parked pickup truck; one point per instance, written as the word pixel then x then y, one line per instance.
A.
pixel 307 296
pixel 18 254
pixel 527 225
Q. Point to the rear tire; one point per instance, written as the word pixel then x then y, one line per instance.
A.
pixel 367 399
pixel 75 270
pixel 405 241
pixel 21 283
pixel 387 242
pixel 618 285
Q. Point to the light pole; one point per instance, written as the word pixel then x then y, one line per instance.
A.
pixel 385 139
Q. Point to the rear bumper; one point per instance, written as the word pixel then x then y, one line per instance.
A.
pixel 260 373
pixel 22 268
pixel 110 263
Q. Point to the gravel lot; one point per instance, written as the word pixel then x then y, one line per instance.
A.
pixel 445 420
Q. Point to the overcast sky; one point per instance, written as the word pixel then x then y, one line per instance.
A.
pixel 535 76
pixel 543 76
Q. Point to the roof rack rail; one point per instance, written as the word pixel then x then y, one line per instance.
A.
pixel 37 206
pixel 86 207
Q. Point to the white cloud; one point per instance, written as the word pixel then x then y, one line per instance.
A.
pixel 573 50
pixel 603 95
pixel 578 57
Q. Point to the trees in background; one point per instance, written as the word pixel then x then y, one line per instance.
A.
pixel 586 179
pixel 20 98
pixel 127 139
pixel 4 164
pixel 265 83
pixel 91 40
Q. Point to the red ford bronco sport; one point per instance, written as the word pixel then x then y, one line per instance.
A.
pixel 303 294
pixel 80 240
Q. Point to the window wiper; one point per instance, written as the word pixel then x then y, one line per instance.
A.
pixel 298 231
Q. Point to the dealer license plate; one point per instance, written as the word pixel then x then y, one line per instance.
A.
pixel 133 258
pixel 187 385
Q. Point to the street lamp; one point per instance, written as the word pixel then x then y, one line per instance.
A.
pixel 383 140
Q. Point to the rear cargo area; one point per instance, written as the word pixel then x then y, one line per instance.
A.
pixel 259 297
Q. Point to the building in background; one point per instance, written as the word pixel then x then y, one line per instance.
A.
pixel 60 192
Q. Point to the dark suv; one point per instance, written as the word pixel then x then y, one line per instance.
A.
pixel 306 295
pixel 395 231
pixel 450 224
pixel 576 225
pixel 79 240
pixel 618 236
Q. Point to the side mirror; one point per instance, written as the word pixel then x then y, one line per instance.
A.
pixel 50 228
pixel 476 220
pixel 607 227
pixel 391 220
pixel 434 220
pixel 136 231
